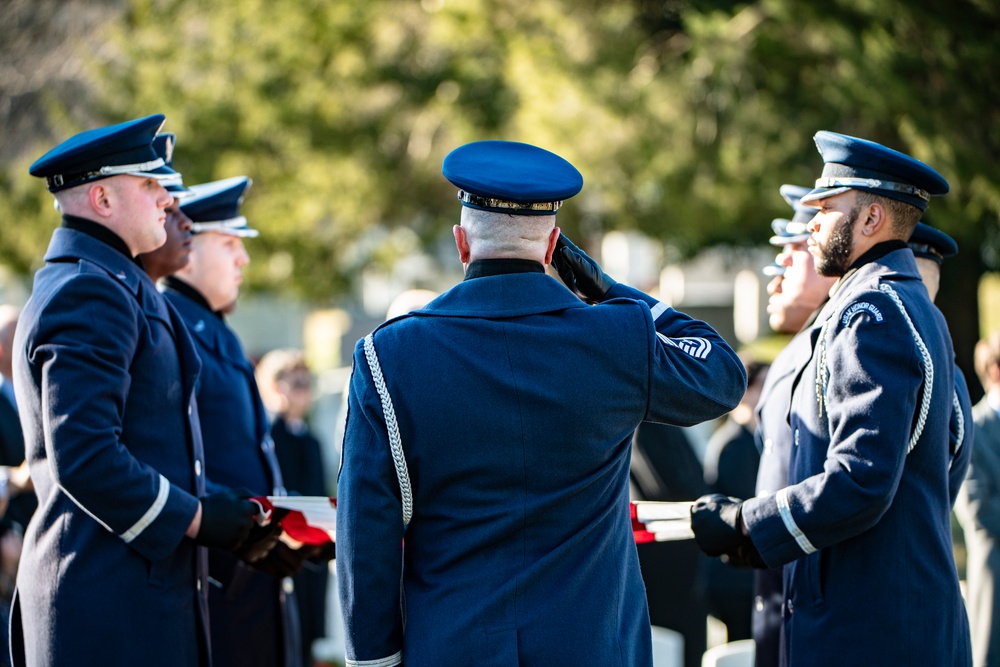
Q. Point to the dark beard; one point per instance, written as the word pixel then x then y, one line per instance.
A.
pixel 834 258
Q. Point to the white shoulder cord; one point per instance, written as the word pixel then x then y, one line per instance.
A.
pixel 925 403
pixel 395 443
pixel 823 373
pixel 961 423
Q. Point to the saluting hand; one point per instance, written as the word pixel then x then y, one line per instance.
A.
pixel 579 271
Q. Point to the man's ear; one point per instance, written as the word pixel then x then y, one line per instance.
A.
pixel 553 239
pixel 100 196
pixel 462 243
pixel 875 218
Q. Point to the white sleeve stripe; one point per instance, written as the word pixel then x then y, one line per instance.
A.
pixel 699 348
pixel 393 659
pixel 786 516
pixel 659 309
pixel 151 514
pixel 88 512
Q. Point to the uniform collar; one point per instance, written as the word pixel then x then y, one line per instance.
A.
pixel 504 295
pixel 875 253
pixel 175 284
pixel 482 268
pixel 99 232
pixel 73 245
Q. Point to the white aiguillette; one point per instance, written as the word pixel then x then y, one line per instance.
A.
pixel 661 521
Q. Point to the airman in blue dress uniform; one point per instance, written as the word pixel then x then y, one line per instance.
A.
pixel 931 247
pixel 251 620
pixel 794 297
pixel 863 528
pixel 105 376
pixel 511 404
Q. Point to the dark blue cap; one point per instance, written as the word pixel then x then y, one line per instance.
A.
pixel 858 164
pixel 163 144
pixel 931 243
pixel 125 148
pixel 794 230
pixel 511 177
pixel 788 231
pixel 215 207
pixel 793 194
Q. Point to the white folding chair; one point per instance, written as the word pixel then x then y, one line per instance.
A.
pixel 668 647
pixel 734 654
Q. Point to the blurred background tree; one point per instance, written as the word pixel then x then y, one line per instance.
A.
pixel 683 115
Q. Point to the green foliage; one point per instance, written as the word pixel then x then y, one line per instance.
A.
pixel 683 116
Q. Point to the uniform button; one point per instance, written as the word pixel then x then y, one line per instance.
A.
pixel 197 468
pixel 189 411
pixel 758 603
pixel 790 607
pixel 796 437
pixel 288 585
pixel 198 584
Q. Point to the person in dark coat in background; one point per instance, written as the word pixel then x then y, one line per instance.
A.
pixel 173 255
pixel 731 462
pixel 112 572
pixel 253 621
pixel 286 387
pixel 514 402
pixel 17 499
pixel 795 293
pixel 665 468
pixel 18 491
pixel 930 247
pixel 978 510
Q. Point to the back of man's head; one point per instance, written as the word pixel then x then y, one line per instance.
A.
pixel 494 235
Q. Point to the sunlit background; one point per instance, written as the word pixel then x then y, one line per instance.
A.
pixel 684 116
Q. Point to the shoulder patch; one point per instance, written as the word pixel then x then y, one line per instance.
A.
pixel 699 348
pixel 860 307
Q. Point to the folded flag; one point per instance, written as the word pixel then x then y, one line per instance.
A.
pixel 661 522
pixel 306 519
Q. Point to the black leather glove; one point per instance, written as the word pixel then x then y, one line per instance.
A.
pixel 324 553
pixel 746 555
pixel 283 561
pixel 259 542
pixel 580 273
pixel 718 524
pixel 226 520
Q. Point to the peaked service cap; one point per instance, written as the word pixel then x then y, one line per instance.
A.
pixel 125 148
pixel 859 164
pixel 931 243
pixel 163 144
pixel 511 177
pixel 215 207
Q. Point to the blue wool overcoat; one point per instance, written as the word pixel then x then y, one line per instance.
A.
pixel 865 523
pixel 249 612
pixel 105 375
pixel 516 405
